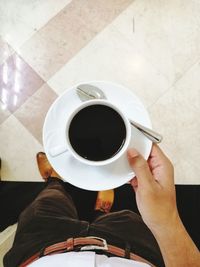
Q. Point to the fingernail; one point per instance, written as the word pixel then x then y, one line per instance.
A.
pixel 132 153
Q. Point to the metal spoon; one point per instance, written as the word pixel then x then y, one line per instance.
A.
pixel 88 92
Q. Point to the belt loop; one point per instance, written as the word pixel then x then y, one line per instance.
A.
pixel 127 251
pixel 70 244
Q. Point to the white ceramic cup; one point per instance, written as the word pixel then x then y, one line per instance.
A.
pixel 55 151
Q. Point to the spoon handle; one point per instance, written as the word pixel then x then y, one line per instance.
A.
pixel 152 135
pixel 87 92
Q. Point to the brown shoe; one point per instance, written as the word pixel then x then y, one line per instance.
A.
pixel 45 167
pixel 104 200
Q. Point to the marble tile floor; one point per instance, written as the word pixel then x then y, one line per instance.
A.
pixel 152 47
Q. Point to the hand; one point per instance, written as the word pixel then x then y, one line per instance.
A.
pixel 154 188
pixel 156 200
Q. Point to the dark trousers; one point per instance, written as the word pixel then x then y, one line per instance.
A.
pixel 52 217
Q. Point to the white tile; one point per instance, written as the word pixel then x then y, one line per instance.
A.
pixel 189 89
pixel 18 152
pixel 109 57
pixel 20 19
pixel 4 235
pixel 178 122
pixel 186 173
pixel 5 51
pixel 6 241
pixel 165 32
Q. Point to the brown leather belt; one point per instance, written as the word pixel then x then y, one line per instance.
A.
pixel 83 244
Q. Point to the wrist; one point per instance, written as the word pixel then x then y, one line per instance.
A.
pixel 176 245
pixel 168 227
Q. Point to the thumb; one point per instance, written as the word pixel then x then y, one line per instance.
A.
pixel 140 167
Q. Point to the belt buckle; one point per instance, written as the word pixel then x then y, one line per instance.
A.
pixel 93 247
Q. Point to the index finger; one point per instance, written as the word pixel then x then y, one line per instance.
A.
pixel 161 167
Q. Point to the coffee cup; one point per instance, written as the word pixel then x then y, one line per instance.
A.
pixel 97 133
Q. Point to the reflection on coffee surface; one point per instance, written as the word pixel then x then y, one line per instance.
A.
pixel 97 132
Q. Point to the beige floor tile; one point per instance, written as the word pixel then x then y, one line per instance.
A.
pixel 100 13
pixel 67 33
pixel 189 89
pixel 18 150
pixel 20 19
pixel 56 43
pixel 186 172
pixel 4 112
pixel 32 113
pixel 165 32
pixel 6 241
pixel 109 57
pixel 179 124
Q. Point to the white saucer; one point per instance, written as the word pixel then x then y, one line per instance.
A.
pixel 92 177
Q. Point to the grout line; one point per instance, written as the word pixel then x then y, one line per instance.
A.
pixel 176 81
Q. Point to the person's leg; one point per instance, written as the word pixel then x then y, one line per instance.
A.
pixel 128 226
pixel 127 230
pixel 14 198
pixel 53 201
pixel 52 217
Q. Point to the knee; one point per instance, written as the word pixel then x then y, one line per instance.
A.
pixel 129 214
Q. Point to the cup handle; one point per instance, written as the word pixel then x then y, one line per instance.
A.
pixel 57 150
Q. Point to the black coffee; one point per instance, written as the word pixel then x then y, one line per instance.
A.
pixel 97 132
